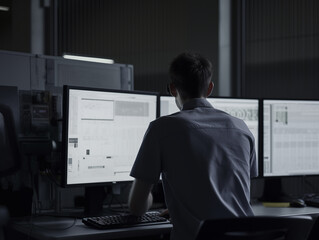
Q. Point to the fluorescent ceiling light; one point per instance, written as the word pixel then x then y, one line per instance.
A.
pixel 89 59
pixel 4 8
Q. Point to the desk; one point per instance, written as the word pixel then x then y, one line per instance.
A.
pixel 261 210
pixel 53 228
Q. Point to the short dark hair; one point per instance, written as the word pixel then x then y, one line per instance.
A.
pixel 191 74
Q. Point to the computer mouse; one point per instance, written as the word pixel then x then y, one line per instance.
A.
pixel 298 203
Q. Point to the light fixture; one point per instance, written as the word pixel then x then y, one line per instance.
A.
pixel 89 59
pixel 4 8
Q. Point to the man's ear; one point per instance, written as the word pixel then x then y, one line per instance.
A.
pixel 172 90
pixel 210 89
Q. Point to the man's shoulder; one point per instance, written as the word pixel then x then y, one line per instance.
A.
pixel 165 120
pixel 168 124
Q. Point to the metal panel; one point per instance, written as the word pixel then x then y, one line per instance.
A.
pixel 15 69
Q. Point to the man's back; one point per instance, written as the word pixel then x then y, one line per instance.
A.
pixel 205 157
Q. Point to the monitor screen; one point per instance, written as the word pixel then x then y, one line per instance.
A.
pixel 167 105
pixel 103 131
pixel 245 109
pixel 291 137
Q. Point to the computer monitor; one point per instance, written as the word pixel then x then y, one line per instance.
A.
pixel 245 109
pixel 102 133
pixel 167 105
pixel 290 138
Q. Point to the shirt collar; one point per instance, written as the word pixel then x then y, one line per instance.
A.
pixel 196 102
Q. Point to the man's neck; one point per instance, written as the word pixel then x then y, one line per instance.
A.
pixel 185 100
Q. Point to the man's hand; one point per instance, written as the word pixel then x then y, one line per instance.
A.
pixel 165 214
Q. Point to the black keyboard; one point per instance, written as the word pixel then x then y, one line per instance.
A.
pixel 312 201
pixel 124 220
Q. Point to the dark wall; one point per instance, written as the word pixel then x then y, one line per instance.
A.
pixel 281 55
pixel 144 33
pixel 15 26
pixel 282 49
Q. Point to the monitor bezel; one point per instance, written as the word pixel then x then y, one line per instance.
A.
pixel 261 136
pixel 217 97
pixel 65 124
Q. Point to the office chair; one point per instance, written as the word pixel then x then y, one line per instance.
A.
pixel 4 218
pixel 10 161
pixel 9 149
pixel 256 228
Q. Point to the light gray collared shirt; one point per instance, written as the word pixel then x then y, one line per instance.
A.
pixel 206 158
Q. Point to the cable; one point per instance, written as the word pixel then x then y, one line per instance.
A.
pixel 123 207
pixel 32 224
pixel 31 229
pixel 34 188
pixel 51 177
pixel 54 228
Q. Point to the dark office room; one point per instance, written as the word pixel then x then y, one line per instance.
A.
pixel 159 119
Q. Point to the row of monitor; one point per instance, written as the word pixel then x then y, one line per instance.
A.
pixel 103 130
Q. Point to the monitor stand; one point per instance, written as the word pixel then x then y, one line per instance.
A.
pixel 114 189
pixel 273 191
pixel 94 197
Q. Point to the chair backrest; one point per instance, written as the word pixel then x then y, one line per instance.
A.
pixel 10 155
pixel 4 217
pixel 256 228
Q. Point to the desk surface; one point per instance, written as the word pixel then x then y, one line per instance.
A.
pixel 261 210
pixel 51 228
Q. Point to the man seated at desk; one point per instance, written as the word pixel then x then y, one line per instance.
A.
pixel 206 156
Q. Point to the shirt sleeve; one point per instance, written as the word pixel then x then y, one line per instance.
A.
pixel 147 165
pixel 253 162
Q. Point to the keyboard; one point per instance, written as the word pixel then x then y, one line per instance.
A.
pixel 124 220
pixel 312 201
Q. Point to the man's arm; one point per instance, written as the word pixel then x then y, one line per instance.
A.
pixel 140 197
